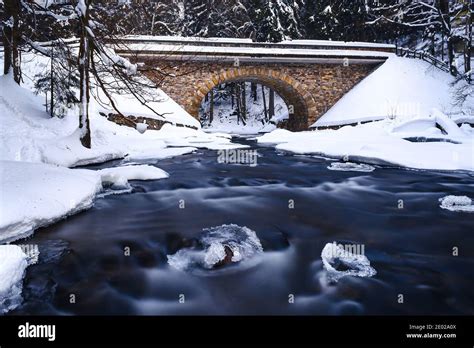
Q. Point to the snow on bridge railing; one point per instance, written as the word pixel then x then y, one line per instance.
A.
pixel 236 42
pixel 409 53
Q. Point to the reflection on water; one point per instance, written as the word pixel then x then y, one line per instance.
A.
pixel 113 257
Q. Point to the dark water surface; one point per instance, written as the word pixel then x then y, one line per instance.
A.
pixel 411 248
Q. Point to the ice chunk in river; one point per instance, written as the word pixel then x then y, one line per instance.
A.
pixel 351 167
pixel 457 203
pixel 340 262
pixel 13 262
pixel 218 246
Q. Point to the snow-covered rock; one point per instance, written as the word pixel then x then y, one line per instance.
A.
pixel 119 176
pixel 416 126
pixel 351 167
pixel 13 263
pixel 448 125
pixel 457 203
pixel 141 127
pixel 334 256
pixel 218 246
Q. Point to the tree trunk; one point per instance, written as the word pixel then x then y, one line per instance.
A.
pixel 271 106
pixel 264 103
pixel 452 68
pixel 244 102
pixel 211 106
pixel 467 47
pixel 232 92
pixel 84 67
pixel 444 9
pixel 11 37
pixel 51 106
pixel 253 88
pixel 237 101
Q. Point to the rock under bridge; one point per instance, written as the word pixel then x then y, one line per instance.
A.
pixel 310 76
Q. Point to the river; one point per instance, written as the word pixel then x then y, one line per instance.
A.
pixel 112 258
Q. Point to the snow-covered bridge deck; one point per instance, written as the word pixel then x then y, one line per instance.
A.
pixel 209 49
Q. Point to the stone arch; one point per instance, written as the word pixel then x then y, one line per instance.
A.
pixel 291 91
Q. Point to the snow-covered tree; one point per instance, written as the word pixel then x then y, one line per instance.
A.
pixel 61 81
pixel 274 20
pixel 433 17
pixel 213 18
pixel 155 17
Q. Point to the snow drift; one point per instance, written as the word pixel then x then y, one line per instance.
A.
pixel 399 87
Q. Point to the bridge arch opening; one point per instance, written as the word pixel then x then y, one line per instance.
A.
pixel 298 100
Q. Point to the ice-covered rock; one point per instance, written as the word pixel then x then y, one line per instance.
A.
pixel 13 262
pixel 218 246
pixel 350 167
pixel 457 203
pixel 339 263
pixel 118 177
pixel 415 126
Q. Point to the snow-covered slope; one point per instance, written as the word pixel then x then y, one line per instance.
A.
pixel 27 133
pixel 33 64
pixel 399 87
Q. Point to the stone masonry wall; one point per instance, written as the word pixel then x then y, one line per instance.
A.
pixel 311 88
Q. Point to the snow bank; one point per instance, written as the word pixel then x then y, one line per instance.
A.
pixel 13 263
pixel 27 133
pixel 399 87
pixel 217 247
pixel 384 142
pixel 36 194
pixel 334 256
pixel 457 203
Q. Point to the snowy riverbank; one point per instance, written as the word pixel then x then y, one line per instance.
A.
pixel 416 110
pixel 413 143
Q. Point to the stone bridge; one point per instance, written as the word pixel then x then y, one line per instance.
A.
pixel 310 76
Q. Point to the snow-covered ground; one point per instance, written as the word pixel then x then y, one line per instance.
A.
pixel 385 142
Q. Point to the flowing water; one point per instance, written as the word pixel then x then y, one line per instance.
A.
pixel 112 258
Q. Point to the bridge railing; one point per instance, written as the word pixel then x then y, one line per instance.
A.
pixel 409 53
